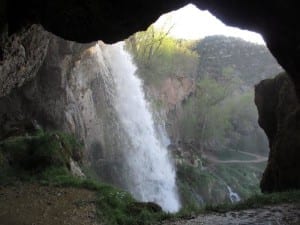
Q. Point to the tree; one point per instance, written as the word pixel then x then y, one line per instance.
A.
pixel 158 55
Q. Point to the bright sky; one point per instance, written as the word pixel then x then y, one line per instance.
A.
pixel 191 23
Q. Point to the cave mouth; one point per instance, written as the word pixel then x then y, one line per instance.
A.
pixel 81 21
pixel 201 74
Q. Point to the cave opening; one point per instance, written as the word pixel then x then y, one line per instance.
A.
pixel 199 76
pixel 195 89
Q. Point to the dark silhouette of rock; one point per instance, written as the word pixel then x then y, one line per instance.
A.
pixel 279 116
pixel 114 20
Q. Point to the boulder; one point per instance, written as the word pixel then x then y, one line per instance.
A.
pixel 279 116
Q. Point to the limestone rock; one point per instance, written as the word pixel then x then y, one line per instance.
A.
pixel 75 169
pixel 23 54
pixel 174 90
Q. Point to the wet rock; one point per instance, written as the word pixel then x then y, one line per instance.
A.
pixel 75 169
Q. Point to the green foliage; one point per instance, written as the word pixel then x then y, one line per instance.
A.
pixel 258 200
pixel 255 201
pixel 114 206
pixel 157 55
pixel 217 118
pixel 203 117
pixel 198 187
pixel 44 158
pixel 245 134
pixel 247 62
pixel 243 178
pixel 118 207
pixel 24 156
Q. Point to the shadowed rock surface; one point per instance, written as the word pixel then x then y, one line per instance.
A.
pixel 111 21
pixel 21 56
pixel 279 116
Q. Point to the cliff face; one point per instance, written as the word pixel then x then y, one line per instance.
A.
pixel 44 97
pixel 71 92
pixel 173 93
pixel 229 56
pixel 21 56
pixel 279 116
pixel 174 90
pixel 60 96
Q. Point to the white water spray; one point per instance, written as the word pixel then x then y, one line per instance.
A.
pixel 150 169
pixel 234 197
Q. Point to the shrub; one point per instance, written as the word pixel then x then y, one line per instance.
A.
pixel 37 152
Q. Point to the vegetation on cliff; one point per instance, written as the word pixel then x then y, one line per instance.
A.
pixel 33 154
pixel 217 119
pixel 44 158
pixel 159 56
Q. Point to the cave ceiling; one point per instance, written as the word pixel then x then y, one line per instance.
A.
pixel 115 20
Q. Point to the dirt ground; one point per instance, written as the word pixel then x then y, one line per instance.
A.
pixel 284 214
pixel 32 204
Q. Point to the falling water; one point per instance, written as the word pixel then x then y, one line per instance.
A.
pixel 150 170
pixel 234 197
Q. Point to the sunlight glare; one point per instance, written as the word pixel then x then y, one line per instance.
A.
pixel 191 23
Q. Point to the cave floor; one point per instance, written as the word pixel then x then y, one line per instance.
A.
pixel 32 204
pixel 284 214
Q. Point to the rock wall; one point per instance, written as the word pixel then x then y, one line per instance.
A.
pixel 43 98
pixel 279 116
pixel 168 98
pixel 21 56
pixel 174 90
pixel 69 93
pixel 236 58
pixel 51 97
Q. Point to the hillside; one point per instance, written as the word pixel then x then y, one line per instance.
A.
pixel 82 120
pixel 220 55
pixel 203 92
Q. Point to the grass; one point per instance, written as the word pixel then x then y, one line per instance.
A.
pixel 44 158
pixel 21 158
pixel 243 178
pixel 117 207
pixel 257 201
pixel 36 152
pixel 198 187
pixel 114 206
pixel 253 202
pixel 27 157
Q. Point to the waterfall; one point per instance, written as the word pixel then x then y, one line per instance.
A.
pixel 234 197
pixel 149 170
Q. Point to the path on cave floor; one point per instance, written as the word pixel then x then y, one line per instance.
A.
pixel 258 158
pixel 46 205
pixel 284 214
